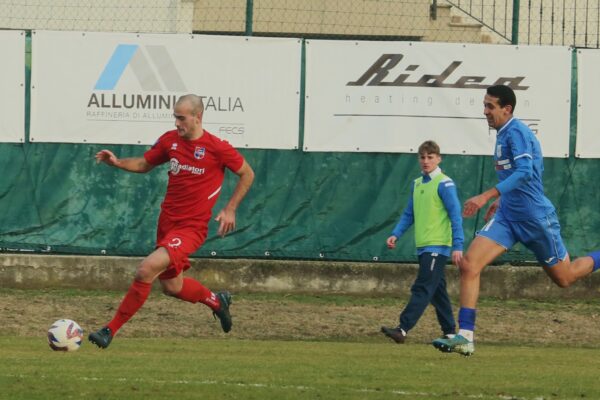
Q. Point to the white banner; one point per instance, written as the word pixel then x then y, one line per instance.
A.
pixel 12 86
pixel 392 96
pixel 588 87
pixel 121 88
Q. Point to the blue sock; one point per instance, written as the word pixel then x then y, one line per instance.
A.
pixel 466 318
pixel 596 257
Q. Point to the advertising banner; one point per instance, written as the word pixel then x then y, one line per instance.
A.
pixel 12 87
pixel 392 96
pixel 588 87
pixel 121 88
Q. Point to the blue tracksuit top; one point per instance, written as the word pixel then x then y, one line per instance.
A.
pixel 519 168
pixel 447 192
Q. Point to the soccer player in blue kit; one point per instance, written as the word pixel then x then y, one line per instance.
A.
pixel 520 213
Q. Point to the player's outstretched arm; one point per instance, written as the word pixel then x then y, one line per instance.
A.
pixel 226 216
pixel 492 209
pixel 136 164
pixel 473 204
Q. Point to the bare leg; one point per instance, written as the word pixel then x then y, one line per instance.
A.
pixel 172 287
pixel 481 252
pixel 567 272
pixel 136 296
pixel 153 265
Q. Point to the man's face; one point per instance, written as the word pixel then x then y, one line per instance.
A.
pixel 429 162
pixel 495 114
pixel 186 122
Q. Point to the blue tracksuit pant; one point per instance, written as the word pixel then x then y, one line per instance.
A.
pixel 429 287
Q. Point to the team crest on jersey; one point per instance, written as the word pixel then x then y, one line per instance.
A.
pixel 174 146
pixel 199 153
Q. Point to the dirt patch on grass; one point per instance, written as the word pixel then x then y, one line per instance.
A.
pixel 338 318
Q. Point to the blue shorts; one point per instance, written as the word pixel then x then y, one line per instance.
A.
pixel 541 236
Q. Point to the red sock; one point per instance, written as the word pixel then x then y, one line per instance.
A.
pixel 134 299
pixel 193 291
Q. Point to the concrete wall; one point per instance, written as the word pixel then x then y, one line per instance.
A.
pixel 30 271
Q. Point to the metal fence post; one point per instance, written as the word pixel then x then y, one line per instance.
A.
pixel 249 16
pixel 515 22
pixel 433 10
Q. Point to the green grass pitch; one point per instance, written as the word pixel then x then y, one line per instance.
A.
pixel 185 368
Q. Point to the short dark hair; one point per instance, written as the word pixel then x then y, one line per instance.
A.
pixel 504 94
pixel 429 147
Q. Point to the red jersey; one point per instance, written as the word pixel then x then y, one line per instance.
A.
pixel 197 169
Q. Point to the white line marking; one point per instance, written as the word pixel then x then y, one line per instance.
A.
pixel 285 387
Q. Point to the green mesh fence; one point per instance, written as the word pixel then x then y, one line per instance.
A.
pixel 302 205
pixel 556 22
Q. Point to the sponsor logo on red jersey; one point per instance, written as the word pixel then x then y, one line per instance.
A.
pixel 176 167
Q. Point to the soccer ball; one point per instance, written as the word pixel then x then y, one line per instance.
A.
pixel 65 335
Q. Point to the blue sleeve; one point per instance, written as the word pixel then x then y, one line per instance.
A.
pixel 407 218
pixel 522 174
pixel 449 196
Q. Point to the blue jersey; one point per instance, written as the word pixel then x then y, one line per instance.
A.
pixel 519 167
pixel 447 192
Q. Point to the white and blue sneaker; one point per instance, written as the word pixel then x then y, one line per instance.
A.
pixel 456 344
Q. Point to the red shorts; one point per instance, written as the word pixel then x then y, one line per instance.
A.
pixel 180 239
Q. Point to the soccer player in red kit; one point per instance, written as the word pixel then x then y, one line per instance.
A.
pixel 197 167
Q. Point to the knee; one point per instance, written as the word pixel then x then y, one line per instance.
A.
pixel 145 273
pixel 170 291
pixel 152 266
pixel 420 289
pixel 171 287
pixel 142 275
pixel 562 277
pixel 562 282
pixel 468 268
